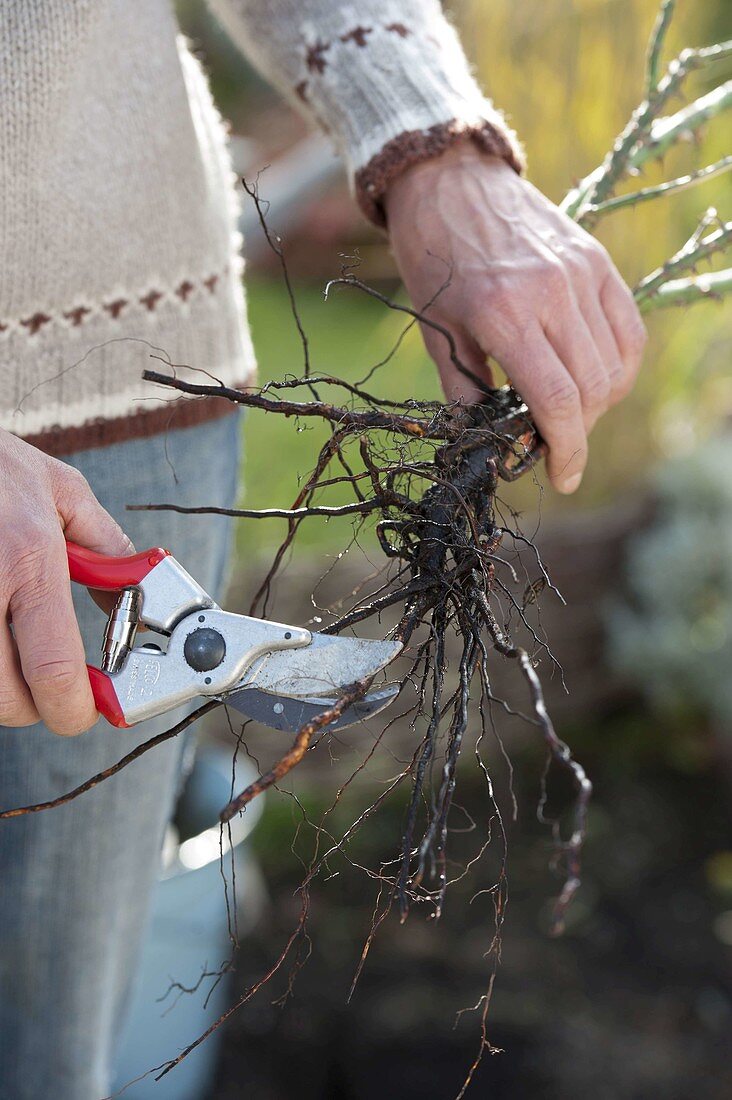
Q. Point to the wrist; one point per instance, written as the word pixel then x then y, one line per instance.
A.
pixel 461 158
pixel 417 153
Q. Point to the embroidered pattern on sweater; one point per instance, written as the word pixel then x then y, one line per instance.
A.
pixel 315 57
pixel 149 300
pixel 140 423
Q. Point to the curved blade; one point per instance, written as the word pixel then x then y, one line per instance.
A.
pixel 323 667
pixel 282 713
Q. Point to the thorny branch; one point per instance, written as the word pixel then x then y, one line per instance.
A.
pixel 655 46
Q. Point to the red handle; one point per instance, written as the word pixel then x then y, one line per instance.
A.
pixel 105 697
pixel 110 574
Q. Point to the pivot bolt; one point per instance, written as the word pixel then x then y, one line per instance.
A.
pixel 204 649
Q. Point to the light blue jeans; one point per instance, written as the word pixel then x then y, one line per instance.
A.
pixel 75 882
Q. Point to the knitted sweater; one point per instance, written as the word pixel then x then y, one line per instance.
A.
pixel 118 205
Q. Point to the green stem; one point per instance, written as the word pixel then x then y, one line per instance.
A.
pixel 710 287
pixel 667 131
pixel 655 45
pixel 681 183
pixel 663 133
pixel 638 128
pixel 696 249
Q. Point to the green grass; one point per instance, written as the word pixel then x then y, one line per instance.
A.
pixel 348 334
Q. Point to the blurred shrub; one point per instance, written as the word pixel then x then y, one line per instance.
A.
pixel 673 638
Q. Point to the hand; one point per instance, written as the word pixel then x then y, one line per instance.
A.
pixel 527 286
pixel 42 670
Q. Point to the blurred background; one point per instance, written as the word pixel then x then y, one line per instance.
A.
pixel 635 1001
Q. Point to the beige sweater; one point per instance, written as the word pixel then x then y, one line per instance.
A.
pixel 118 204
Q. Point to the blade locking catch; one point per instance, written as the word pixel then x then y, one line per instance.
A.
pixel 119 636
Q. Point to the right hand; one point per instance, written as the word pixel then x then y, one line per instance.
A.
pixel 525 285
pixel 43 501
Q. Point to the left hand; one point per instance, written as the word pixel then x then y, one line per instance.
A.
pixel 526 285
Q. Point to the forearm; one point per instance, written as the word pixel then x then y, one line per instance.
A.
pixel 389 82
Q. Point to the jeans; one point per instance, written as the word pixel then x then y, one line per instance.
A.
pixel 76 881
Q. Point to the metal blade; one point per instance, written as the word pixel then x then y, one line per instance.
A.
pixel 282 713
pixel 324 667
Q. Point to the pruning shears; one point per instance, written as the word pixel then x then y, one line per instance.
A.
pixel 280 675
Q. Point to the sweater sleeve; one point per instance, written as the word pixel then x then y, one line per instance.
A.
pixel 387 79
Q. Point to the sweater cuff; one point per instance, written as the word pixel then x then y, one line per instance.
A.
pixel 395 89
pixel 372 181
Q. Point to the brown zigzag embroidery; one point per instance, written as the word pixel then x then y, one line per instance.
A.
pixel 150 300
pixel 115 308
pixel 77 315
pixel 315 54
pixel 36 322
pixel 357 35
pixel 314 58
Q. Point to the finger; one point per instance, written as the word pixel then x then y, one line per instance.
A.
pixel 16 702
pixel 539 375
pixel 83 518
pixel 86 522
pixel 604 339
pixel 456 385
pixel 570 336
pixel 627 325
pixel 48 639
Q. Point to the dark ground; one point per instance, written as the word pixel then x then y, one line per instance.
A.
pixel 634 1003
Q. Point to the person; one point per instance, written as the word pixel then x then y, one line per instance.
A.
pixel 118 238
